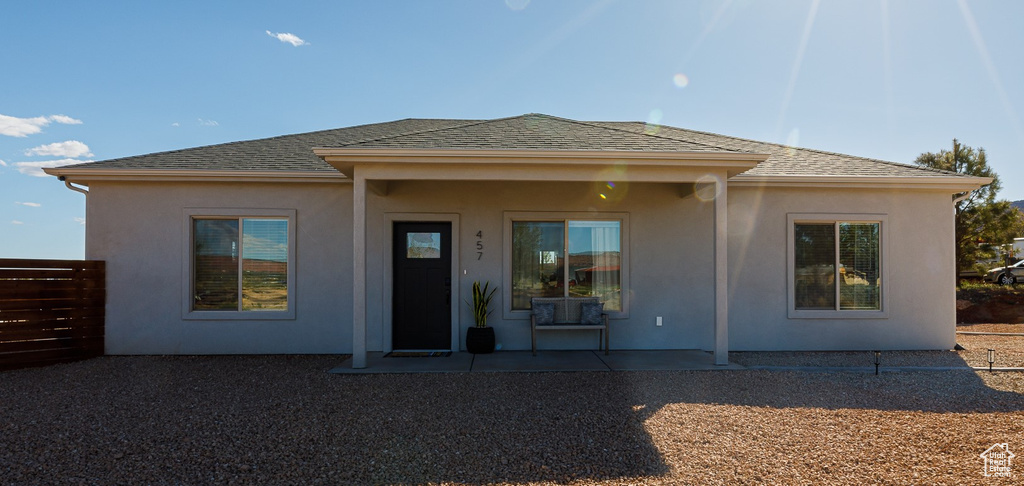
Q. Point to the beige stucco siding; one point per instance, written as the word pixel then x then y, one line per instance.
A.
pixel 919 290
pixel 137 228
pixel 670 260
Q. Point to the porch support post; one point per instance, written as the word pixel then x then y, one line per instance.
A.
pixel 359 271
pixel 721 273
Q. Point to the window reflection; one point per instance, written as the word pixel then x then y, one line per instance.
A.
pixel 423 245
pixel 540 269
pixel 819 269
pixel 215 264
pixel 859 267
pixel 263 266
pixel 537 261
pixel 594 261
pixel 815 266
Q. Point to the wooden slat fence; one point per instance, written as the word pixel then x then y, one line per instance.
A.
pixel 51 311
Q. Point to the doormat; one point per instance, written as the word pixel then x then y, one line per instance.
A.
pixel 418 354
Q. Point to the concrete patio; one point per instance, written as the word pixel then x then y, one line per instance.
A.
pixel 511 361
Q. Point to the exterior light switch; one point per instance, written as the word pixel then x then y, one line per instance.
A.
pixel 659 322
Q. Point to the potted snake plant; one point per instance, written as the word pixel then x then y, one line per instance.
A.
pixel 480 337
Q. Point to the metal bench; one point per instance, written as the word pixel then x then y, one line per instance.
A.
pixel 568 312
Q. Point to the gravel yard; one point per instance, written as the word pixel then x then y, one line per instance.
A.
pixel 1009 353
pixel 849 359
pixel 283 419
pixel 1004 328
pixel 1009 349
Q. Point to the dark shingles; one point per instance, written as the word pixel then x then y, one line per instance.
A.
pixel 525 132
pixel 790 161
pixel 282 153
pixel 532 132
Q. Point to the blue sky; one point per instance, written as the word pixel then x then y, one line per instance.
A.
pixel 885 79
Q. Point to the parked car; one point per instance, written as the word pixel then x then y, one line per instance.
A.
pixel 1006 275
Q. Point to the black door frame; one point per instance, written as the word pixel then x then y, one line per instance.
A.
pixel 388 272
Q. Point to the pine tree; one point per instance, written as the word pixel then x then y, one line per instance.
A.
pixel 982 222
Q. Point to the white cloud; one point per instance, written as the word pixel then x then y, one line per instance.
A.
pixel 208 123
pixel 21 127
pixel 70 148
pixel 14 221
pixel 13 126
pixel 67 120
pixel 175 124
pixel 36 168
pixel 80 220
pixel 2 163
pixel 29 204
pixel 288 38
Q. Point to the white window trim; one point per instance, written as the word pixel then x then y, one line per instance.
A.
pixel 188 215
pixel 555 216
pixel 883 234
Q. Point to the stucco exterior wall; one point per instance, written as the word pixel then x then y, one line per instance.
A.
pixel 137 228
pixel 919 292
pixel 670 256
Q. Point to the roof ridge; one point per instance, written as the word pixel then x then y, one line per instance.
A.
pixel 653 135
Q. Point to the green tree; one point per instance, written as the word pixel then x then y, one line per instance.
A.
pixel 982 222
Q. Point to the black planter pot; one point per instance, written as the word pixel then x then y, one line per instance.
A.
pixel 480 340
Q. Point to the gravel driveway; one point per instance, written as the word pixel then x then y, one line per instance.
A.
pixel 284 420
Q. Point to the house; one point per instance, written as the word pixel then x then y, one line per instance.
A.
pixel 368 238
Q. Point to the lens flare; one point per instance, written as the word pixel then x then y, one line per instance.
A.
pixel 793 141
pixel 655 116
pixel 707 187
pixel 609 187
pixel 653 122
pixel 517 4
pixel 680 80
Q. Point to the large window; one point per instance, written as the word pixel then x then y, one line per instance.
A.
pixel 240 265
pixel 567 258
pixel 836 265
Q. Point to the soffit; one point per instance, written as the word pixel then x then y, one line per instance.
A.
pixel 539 165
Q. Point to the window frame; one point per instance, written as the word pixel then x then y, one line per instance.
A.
pixel 192 214
pixel 564 217
pixel 792 219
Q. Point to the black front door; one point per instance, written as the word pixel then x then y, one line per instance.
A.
pixel 421 316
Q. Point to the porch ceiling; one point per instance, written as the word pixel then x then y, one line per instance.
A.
pixel 535 165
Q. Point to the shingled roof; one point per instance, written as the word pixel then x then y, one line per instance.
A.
pixel 525 132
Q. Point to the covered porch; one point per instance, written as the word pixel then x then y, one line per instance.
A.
pixel 377 171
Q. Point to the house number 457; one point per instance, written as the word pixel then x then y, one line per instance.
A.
pixel 479 245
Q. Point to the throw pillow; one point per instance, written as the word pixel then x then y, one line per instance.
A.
pixel 544 313
pixel 590 313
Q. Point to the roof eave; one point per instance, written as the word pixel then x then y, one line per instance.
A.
pixel 952 184
pixel 85 175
